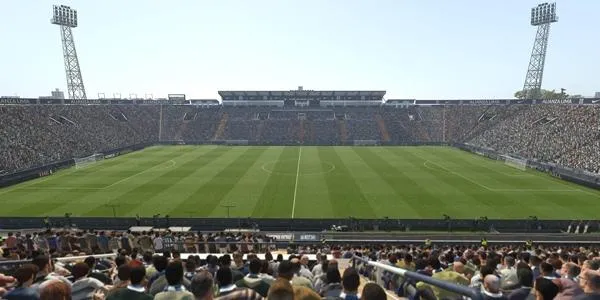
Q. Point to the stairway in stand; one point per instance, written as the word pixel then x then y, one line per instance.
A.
pixel 221 127
pixel 301 132
pixel 343 130
pixel 181 130
pixel 385 135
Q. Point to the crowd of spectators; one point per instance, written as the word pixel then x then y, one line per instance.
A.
pixel 234 267
pixel 33 135
pixel 564 134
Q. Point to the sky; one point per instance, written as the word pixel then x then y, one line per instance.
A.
pixel 413 49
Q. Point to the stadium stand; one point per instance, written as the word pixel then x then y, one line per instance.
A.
pixel 127 265
pixel 34 135
pixel 426 270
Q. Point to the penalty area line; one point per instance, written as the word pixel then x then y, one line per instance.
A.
pixel 296 185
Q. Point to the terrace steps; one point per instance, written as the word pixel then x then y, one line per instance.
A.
pixel 343 130
pixel 221 128
pixel 385 135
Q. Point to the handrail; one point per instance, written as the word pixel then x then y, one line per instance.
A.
pixel 463 290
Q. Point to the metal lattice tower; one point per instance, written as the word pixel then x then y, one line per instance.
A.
pixel 66 18
pixel 541 16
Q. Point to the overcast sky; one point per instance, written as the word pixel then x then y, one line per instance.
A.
pixel 422 49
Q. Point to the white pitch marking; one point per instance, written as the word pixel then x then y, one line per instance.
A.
pixel 296 186
pixel 173 163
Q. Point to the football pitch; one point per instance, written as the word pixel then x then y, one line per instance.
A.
pixel 301 182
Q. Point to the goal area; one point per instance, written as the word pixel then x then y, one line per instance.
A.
pixel 87 161
pixel 517 163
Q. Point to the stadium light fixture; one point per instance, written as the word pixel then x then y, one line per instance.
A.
pixel 64 15
pixel 544 13
pixel 541 16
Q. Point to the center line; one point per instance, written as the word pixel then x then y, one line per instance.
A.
pixel 296 186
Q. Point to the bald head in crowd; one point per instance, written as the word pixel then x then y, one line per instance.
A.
pixel 491 283
pixel 458 267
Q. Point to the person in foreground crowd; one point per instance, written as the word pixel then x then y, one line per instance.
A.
pixel 590 283
pixel 491 288
pixel 175 289
pixel 545 289
pixel 25 276
pixel 229 291
pixel 373 291
pixel 84 287
pixel 523 291
pixel 55 289
pixel 203 285
pixel 253 280
pixel 46 272
pixel 350 283
pixel 135 290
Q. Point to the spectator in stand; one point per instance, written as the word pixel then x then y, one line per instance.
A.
pixel 545 289
pixel 46 273
pixel 55 289
pixel 524 291
pixel 350 283
pixel 548 271
pixel 94 273
pixel 590 283
pixel 229 291
pixel 203 286
pixel 84 287
pixel 135 290
pixel 175 289
pixel 298 280
pixel 25 276
pixel 253 280
pixel 491 288
pixel 281 290
pixel 162 282
pixel 333 286
pixel 372 291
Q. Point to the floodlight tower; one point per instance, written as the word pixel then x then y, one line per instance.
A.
pixel 541 16
pixel 66 18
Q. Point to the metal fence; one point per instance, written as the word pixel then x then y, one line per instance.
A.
pixel 416 277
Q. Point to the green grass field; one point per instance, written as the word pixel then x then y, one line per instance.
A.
pixel 301 182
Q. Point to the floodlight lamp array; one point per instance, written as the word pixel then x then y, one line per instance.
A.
pixel 543 14
pixel 64 15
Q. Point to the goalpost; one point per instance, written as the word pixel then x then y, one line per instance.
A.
pixel 514 162
pixel 87 161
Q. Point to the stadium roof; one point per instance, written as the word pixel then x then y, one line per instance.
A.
pixel 301 93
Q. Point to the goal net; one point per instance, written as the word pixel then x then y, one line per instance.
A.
pixel 86 161
pixel 366 142
pixel 514 162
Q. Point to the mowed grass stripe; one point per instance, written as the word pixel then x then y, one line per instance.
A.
pixel 208 197
pixel 382 196
pixel 503 202
pixel 80 177
pixel 346 197
pixel 247 192
pixel 136 196
pixel 164 201
pixel 278 193
pixel 312 199
pixel 99 201
pixel 58 201
pixel 406 188
pixel 450 197
pixel 464 196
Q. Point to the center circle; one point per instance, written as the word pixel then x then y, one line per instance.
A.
pixel 323 168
